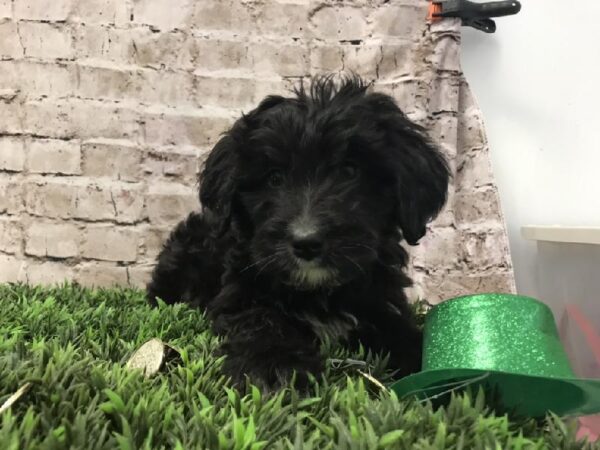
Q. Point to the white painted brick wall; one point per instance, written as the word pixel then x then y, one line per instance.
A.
pixel 109 107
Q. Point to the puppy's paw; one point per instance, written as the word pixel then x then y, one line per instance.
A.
pixel 273 374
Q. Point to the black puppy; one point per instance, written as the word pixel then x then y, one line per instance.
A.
pixel 305 202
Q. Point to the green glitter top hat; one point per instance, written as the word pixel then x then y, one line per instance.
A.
pixel 508 343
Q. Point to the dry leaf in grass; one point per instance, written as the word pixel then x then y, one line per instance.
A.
pixel 151 356
pixel 16 396
pixel 372 379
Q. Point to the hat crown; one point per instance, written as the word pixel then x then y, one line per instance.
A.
pixel 499 332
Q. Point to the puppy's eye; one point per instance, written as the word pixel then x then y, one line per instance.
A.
pixel 275 179
pixel 349 171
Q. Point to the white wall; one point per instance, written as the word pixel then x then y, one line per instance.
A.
pixel 537 80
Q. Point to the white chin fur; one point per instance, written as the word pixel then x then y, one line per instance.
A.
pixel 311 275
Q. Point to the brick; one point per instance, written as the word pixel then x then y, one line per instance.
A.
pixel 107 44
pixel 128 203
pixel 98 11
pixel 476 206
pixel 163 14
pixel 154 240
pixel 105 242
pixel 236 92
pixel 485 249
pixel 444 286
pixel 51 10
pixel 281 19
pixel 66 119
pixel 156 50
pixel 446 95
pixel 284 60
pixel 139 275
pixel 364 59
pixel 48 273
pixel 12 269
pixel 434 248
pixel 54 199
pixel 10 118
pixel 123 203
pixel 225 92
pixel 64 199
pixel 95 120
pixel 10 45
pixel 104 83
pixel 58 240
pixel 473 171
pixel 38 79
pixel 412 95
pixel 11 196
pixel 11 235
pixel 340 23
pixel 272 86
pixel 165 87
pixel 54 156
pixel 167 204
pixel 222 55
pixel 471 132
pixel 446 53
pixel 446 217
pixel 100 275
pixel 12 154
pixel 145 85
pixel 170 163
pixel 49 118
pixel 403 21
pixel 5 9
pixel 94 203
pixel 444 130
pixel 230 15
pixel 119 160
pixel 379 60
pixel 46 40
pixel 326 58
pixel 199 128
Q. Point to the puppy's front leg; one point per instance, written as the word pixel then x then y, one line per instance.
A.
pixel 268 347
pixel 395 332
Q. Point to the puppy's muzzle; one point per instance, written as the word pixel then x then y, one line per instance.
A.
pixel 307 247
pixel 305 240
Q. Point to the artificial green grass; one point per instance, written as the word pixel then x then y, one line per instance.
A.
pixel 72 344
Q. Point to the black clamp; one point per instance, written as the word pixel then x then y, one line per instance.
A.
pixel 476 15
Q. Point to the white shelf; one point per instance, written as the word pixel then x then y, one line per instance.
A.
pixel 577 235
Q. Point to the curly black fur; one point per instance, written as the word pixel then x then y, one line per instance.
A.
pixel 305 203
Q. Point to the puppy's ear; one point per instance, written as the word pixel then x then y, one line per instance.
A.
pixel 217 185
pixel 421 172
pixel 218 181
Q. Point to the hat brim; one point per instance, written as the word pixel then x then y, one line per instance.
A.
pixel 528 395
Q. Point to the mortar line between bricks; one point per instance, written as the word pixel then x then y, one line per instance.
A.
pixel 82 180
pixel 82 220
pixel 207 112
pixel 72 261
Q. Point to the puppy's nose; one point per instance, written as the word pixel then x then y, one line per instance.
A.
pixel 307 247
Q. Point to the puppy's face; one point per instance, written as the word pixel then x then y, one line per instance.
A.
pixel 316 206
pixel 318 183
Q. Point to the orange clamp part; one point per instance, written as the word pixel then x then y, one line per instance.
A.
pixel 434 10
